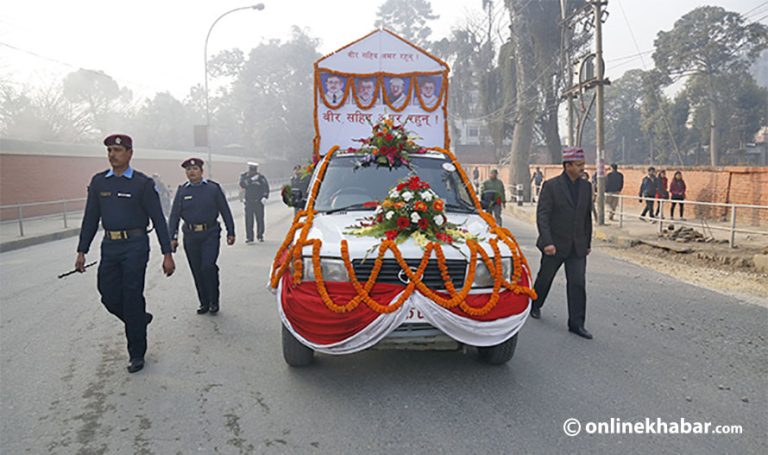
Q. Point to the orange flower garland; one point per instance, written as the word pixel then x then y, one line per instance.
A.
pixel 493 265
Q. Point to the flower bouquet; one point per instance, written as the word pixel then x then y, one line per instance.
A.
pixel 390 145
pixel 411 210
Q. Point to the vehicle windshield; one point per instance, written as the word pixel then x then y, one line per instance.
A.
pixel 345 187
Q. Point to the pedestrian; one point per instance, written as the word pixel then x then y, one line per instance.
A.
pixel 476 178
pixel 565 236
pixel 593 185
pixel 199 202
pixel 537 179
pixel 662 192
pixel 256 193
pixel 124 200
pixel 648 193
pixel 492 190
pixel 677 193
pixel 614 184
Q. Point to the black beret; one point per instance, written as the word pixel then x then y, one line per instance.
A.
pixel 119 139
pixel 192 162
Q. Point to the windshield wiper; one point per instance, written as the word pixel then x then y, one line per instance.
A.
pixel 360 206
pixel 460 208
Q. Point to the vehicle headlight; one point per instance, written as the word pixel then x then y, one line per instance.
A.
pixel 483 277
pixel 332 269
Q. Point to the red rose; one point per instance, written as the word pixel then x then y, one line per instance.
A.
pixel 403 223
pixel 414 185
pixel 423 223
pixel 388 137
pixel 391 235
pixel 400 186
pixel 379 218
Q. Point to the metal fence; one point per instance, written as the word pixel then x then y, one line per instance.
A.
pixel 730 211
pixel 69 212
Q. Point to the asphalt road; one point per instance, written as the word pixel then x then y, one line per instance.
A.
pixel 218 384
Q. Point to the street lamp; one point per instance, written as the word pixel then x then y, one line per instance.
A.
pixel 258 7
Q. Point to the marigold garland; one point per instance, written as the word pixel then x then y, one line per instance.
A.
pixel 455 299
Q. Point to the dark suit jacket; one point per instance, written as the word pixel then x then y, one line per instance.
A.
pixel 560 222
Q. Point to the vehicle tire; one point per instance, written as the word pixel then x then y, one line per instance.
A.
pixel 499 354
pixel 294 352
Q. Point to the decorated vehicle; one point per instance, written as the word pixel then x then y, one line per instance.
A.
pixel 393 247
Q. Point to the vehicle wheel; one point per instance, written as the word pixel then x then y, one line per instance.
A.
pixel 294 352
pixel 499 354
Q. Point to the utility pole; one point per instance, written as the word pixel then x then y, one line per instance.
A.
pixel 597 6
pixel 565 57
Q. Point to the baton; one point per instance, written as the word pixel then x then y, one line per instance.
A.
pixel 75 270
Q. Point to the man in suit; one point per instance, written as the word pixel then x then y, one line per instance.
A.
pixel 565 236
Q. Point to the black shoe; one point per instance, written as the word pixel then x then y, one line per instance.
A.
pixel 214 308
pixel 135 365
pixel 249 241
pixel 202 309
pixel 149 318
pixel 261 240
pixel 580 331
pixel 535 312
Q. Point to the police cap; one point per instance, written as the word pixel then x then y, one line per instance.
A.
pixel 192 162
pixel 119 139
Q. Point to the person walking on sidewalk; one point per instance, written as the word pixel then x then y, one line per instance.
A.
pixel 614 184
pixel 648 192
pixel 564 222
pixel 124 200
pixel 537 179
pixel 677 194
pixel 199 202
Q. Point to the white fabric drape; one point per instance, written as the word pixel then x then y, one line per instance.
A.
pixel 464 330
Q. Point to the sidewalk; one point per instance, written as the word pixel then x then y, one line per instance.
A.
pixel 49 228
pixel 635 232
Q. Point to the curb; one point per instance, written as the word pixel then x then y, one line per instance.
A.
pixel 31 241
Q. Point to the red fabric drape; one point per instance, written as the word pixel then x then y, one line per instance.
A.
pixel 311 319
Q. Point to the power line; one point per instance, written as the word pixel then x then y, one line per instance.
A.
pixel 745 14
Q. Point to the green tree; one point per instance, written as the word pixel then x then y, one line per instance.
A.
pixel 163 122
pixel 100 97
pixel 707 44
pixel 267 110
pixel 407 18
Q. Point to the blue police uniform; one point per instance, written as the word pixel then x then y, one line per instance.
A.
pixel 256 188
pixel 124 204
pixel 199 205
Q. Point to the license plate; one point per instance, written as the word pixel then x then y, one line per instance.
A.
pixel 415 316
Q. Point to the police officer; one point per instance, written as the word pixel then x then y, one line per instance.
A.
pixel 256 193
pixel 199 203
pixel 124 200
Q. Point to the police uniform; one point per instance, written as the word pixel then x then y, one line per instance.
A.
pixel 199 205
pixel 256 191
pixel 124 204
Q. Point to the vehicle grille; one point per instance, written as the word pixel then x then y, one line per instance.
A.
pixel 390 269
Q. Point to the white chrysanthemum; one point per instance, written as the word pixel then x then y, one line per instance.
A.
pixel 426 195
pixel 393 193
pixel 389 215
pixel 415 217
pixel 407 196
pixel 420 239
pixel 439 220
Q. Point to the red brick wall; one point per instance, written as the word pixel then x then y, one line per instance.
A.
pixel 35 178
pixel 737 185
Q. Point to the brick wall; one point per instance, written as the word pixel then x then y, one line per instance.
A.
pixel 35 178
pixel 731 184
